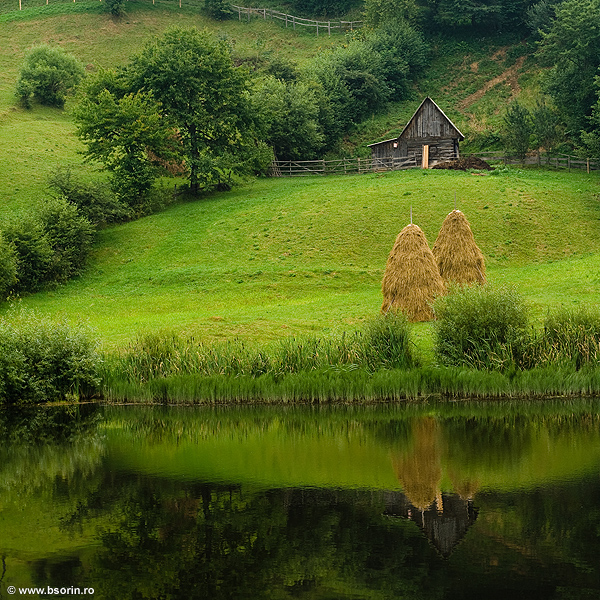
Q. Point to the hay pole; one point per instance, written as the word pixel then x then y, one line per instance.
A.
pixel 411 214
pixel 454 199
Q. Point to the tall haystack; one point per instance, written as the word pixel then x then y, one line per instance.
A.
pixel 411 280
pixel 458 257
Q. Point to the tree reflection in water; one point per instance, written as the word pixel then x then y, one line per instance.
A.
pixel 460 527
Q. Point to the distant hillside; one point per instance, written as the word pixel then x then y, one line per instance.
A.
pixel 470 79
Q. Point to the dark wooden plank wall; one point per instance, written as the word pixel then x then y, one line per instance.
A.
pixel 429 122
pixel 439 149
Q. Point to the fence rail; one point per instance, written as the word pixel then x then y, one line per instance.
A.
pixel 293 21
pixel 558 161
pixel 340 166
pixel 347 166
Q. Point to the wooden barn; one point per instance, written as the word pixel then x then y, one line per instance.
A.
pixel 429 137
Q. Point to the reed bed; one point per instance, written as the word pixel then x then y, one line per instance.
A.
pixel 361 386
pixel 483 359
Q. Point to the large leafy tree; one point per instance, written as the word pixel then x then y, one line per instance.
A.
pixel 290 115
pixel 204 96
pixel 126 132
pixel 571 48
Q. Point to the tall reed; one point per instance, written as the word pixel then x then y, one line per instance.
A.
pixel 570 336
pixel 384 342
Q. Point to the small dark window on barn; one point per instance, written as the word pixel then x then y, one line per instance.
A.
pixel 433 150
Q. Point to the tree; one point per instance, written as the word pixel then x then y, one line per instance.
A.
pixel 518 128
pixel 545 126
pixel 126 132
pixel 291 118
pixel 572 49
pixel 381 12
pixel 49 75
pixel 591 138
pixel 8 267
pixel 205 97
pixel 218 9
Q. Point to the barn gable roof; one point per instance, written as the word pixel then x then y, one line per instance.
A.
pixel 408 126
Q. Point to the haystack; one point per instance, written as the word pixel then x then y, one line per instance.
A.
pixel 458 257
pixel 411 280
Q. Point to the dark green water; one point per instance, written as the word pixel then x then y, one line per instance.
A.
pixel 460 501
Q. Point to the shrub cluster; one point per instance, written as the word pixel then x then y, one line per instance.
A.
pixel 383 343
pixel 51 245
pixel 480 327
pixel 42 360
pixel 487 328
pixel 48 74
pixel 309 110
pixel 95 201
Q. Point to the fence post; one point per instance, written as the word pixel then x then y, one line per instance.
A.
pixel 569 162
pixel 294 22
pixel 317 22
pixel 588 165
pixel 329 27
pixel 359 164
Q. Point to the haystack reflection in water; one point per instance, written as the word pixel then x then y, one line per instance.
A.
pixel 445 502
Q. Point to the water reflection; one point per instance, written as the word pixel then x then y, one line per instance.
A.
pixel 378 503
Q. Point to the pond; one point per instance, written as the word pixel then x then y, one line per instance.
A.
pixel 439 501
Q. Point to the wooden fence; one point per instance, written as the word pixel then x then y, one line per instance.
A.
pixel 347 166
pixel 340 166
pixel 293 21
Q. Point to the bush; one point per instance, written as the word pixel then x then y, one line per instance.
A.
pixel 571 336
pixel 480 327
pixel 218 9
pixel 33 253
pixel 48 74
pixel 70 236
pixel 42 360
pixel 8 267
pixel 95 201
pixel 116 7
pixel 386 343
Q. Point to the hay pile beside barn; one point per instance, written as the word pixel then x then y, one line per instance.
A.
pixel 458 257
pixel 411 280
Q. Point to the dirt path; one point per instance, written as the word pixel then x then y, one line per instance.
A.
pixel 511 76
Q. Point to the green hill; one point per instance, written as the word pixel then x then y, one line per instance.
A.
pixel 288 256
pixel 470 79
pixel 278 257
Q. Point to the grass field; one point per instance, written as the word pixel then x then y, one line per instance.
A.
pixel 280 257
pixel 274 258
pixel 34 142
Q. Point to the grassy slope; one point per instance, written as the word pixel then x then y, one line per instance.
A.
pixel 35 141
pixel 286 256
